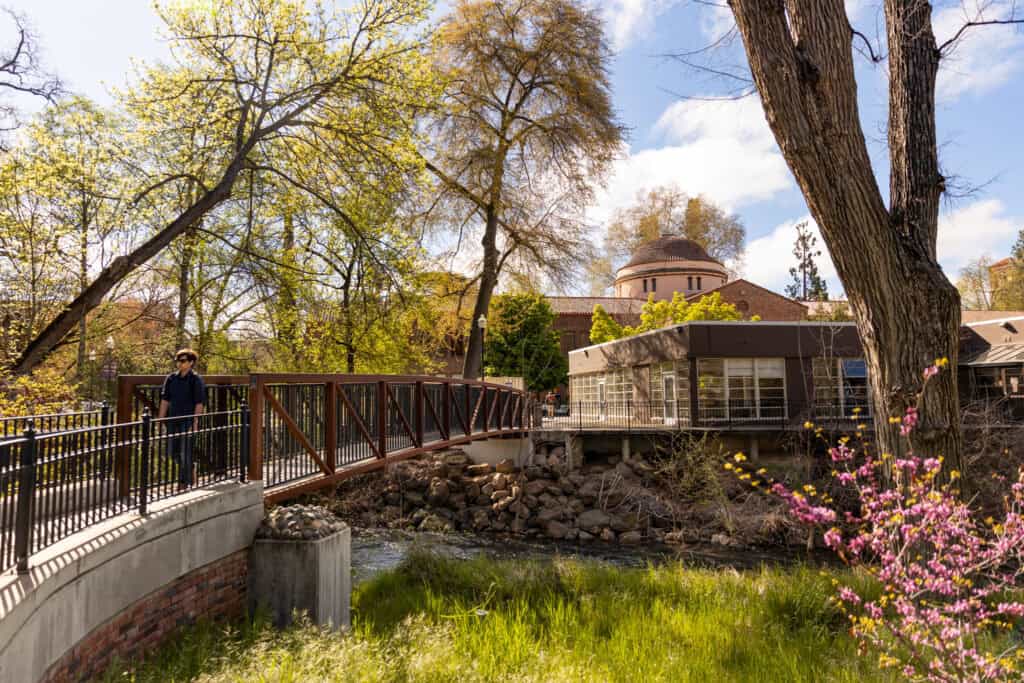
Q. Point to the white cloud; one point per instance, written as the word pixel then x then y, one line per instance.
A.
pixel 628 20
pixel 964 234
pixel 983 58
pixel 723 150
pixel 975 230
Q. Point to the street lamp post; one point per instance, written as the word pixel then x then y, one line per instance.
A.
pixel 481 322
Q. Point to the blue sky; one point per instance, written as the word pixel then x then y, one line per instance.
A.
pixel 721 149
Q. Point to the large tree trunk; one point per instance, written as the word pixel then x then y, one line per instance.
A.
pixel 472 367
pixel 122 266
pixel 184 269
pixel 907 311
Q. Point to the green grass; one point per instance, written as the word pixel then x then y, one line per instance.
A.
pixel 446 620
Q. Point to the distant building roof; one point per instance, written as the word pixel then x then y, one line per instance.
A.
pixel 669 248
pixel 584 305
pixel 982 317
pixel 1000 354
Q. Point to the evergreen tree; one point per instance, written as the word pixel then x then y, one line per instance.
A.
pixel 520 342
pixel 807 285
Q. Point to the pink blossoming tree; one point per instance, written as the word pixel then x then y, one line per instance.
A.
pixel 951 584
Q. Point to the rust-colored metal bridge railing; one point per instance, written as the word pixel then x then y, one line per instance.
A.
pixel 310 431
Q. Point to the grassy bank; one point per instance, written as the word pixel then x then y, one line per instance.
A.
pixel 444 620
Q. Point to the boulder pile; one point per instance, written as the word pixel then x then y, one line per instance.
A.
pixel 299 523
pixel 607 501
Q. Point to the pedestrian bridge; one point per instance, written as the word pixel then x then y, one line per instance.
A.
pixel 310 431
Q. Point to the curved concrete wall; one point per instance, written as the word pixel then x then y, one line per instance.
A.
pixel 91 578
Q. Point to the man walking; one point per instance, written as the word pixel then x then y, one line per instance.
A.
pixel 183 396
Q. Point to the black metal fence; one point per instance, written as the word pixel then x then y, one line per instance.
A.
pixel 55 484
pixel 13 427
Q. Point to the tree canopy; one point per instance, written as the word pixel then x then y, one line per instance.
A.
pixel 657 314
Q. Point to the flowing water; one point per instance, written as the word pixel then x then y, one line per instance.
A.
pixel 378 550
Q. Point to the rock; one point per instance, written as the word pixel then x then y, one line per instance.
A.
pixel 555 529
pixel 436 524
pixel 657 535
pixel 626 472
pixel 478 470
pixel 414 498
pixel 506 466
pixel 631 538
pixel 457 500
pixel 391 512
pixel 554 489
pixel 533 472
pixel 517 526
pixel 608 535
pixel 557 451
pixel 439 471
pixel 457 458
pixel 567 486
pixel 576 505
pixel 554 462
pixel 472 491
pixel 674 537
pixel 519 509
pixel 593 520
pixel 626 522
pixel 576 478
pixel 642 467
pixel 499 525
pixel 549 514
pixel 487 490
pixel 516 491
pixel 481 520
pixel 531 501
pixel 438 492
pixel 499 481
pixel 393 498
pixel 590 490
pixel 613 459
pixel 299 522
pixel 501 494
pixel 727 541
pixel 536 487
pixel 418 516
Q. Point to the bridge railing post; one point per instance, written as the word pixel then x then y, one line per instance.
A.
pixel 255 428
pixel 331 425
pixel 147 447
pixel 26 492
pixel 417 406
pixel 446 410
pixel 383 408
pixel 122 456
pixel 243 443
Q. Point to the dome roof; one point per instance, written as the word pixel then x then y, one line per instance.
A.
pixel 669 248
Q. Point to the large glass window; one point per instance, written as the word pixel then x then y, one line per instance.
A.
pixel 675 408
pixel 841 387
pixel 741 388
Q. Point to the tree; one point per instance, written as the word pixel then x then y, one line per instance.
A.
pixel 974 285
pixel 21 70
pixel 522 343
pixel 1008 286
pixel 907 311
pixel 320 99
pixel 525 129
pixel 655 315
pixel 661 211
pixel 603 327
pixel 807 284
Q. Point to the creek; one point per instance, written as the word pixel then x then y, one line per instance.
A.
pixel 378 550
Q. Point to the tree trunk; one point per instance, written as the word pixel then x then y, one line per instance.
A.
pixel 122 266
pixel 83 282
pixel 473 363
pixel 907 311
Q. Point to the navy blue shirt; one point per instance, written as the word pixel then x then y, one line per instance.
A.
pixel 183 393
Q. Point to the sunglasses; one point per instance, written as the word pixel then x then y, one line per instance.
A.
pixel 183 359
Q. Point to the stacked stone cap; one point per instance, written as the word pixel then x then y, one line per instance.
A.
pixel 299 523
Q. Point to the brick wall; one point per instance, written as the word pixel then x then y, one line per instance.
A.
pixel 215 591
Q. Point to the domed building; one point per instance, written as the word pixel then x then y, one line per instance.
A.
pixel 667 265
pixel 662 267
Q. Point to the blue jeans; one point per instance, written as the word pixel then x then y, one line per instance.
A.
pixel 179 447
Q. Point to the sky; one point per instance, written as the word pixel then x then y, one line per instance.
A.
pixel 680 134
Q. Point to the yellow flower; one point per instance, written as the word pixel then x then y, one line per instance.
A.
pixel 762 471
pixel 728 465
pixel 856 411
pixel 894 420
pixel 739 457
pixel 808 425
pixel 942 362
